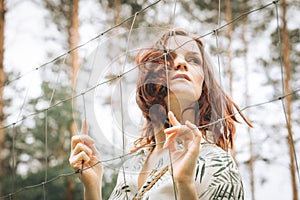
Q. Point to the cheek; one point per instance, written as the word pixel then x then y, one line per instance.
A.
pixel 198 75
pixel 199 78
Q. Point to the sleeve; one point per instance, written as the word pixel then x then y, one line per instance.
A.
pixel 217 176
pixel 126 187
pixel 120 190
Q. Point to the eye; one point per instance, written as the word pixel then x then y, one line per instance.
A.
pixel 193 60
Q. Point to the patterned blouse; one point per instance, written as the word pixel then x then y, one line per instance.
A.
pixel 216 177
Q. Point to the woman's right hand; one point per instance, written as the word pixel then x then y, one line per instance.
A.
pixel 85 155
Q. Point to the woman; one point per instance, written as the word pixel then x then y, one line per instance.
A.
pixel 183 151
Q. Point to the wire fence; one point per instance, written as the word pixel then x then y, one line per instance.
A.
pixel 132 18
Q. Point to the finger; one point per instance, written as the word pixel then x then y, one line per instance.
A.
pixel 76 160
pixel 171 129
pixel 171 137
pixel 194 128
pixel 198 136
pixel 80 147
pixel 95 151
pixel 83 139
pixel 182 131
pixel 173 119
pixel 186 134
pixel 84 127
pixel 170 142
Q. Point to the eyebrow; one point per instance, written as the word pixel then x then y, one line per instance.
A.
pixel 193 52
pixel 188 52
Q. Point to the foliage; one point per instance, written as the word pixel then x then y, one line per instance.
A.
pixel 26 145
pixel 52 190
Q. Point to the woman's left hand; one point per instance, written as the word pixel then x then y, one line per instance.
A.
pixel 183 160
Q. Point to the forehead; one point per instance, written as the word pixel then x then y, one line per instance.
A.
pixel 181 43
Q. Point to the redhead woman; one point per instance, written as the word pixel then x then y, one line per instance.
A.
pixel 190 126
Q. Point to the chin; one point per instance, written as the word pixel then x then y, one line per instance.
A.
pixel 184 95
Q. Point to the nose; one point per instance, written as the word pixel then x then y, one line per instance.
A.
pixel 180 64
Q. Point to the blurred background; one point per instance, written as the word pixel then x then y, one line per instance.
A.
pixel 60 62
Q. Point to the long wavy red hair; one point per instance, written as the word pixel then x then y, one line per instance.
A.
pixel 213 105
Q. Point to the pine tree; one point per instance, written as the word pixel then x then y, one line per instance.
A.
pixel 2 84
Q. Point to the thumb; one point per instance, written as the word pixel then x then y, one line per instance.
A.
pixel 173 119
pixel 84 127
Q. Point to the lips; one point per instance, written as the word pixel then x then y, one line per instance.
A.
pixel 184 76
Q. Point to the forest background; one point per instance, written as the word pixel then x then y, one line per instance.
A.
pixel 49 61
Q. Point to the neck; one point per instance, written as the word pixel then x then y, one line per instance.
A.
pixel 183 111
pixel 159 139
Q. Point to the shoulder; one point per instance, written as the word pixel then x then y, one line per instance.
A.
pixel 216 160
pixel 217 174
pixel 211 150
pixel 136 160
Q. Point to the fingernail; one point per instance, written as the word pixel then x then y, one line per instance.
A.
pixel 188 123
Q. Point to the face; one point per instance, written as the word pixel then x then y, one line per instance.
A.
pixel 186 76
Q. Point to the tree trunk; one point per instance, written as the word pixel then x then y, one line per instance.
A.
pixel 117 11
pixel 228 51
pixel 229 56
pixel 70 188
pixel 247 100
pixel 2 82
pixel 287 65
pixel 73 43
